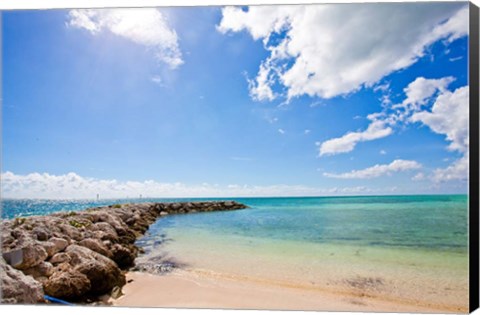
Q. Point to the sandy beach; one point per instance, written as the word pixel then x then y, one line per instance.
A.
pixel 188 289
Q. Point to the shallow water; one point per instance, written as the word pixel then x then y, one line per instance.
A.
pixel 407 249
pixel 410 249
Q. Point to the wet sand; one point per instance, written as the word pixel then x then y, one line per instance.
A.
pixel 188 289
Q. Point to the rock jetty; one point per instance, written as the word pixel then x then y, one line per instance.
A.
pixel 78 256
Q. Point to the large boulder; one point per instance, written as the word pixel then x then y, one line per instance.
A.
pixel 26 257
pixel 97 246
pixel 17 287
pixel 105 231
pixel 102 272
pixel 124 256
pixel 60 243
pixel 41 233
pixel 68 285
pixel 50 248
pixel 71 231
pixel 43 269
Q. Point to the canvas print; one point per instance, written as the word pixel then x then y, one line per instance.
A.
pixel 282 157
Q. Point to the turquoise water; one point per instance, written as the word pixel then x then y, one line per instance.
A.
pixel 436 222
pixel 409 249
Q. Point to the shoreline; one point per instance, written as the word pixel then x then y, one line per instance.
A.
pixel 187 279
pixel 79 256
pixel 189 289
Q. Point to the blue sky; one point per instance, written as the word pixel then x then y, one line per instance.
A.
pixel 235 101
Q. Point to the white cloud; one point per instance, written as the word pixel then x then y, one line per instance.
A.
pixel 260 89
pixel 449 116
pixel 421 90
pixel 376 130
pixel 281 131
pixel 74 186
pixel 418 93
pixel 458 170
pixel 418 177
pixel 143 26
pixel 378 170
pixel 331 50
pixel 307 131
pixel 383 152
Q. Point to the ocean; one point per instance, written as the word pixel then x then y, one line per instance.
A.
pixel 409 249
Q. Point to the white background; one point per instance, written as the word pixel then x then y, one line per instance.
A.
pixel 62 310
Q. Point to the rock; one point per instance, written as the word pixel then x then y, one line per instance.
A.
pixel 40 233
pixel 102 272
pixel 175 206
pixel 78 255
pixel 69 285
pixel 59 258
pixel 7 239
pixel 70 231
pixel 17 287
pixel 116 293
pixel 60 243
pixel 109 233
pixel 50 248
pixel 97 246
pixel 123 256
pixel 43 269
pixel 115 222
pixel 127 236
pixel 64 267
pixel 26 257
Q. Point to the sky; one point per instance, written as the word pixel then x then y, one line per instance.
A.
pixel 352 99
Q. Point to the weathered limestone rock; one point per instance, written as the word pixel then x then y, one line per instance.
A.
pixel 60 243
pixel 18 287
pixel 76 255
pixel 71 231
pixel 25 257
pixel 97 246
pixel 69 285
pixel 123 256
pixel 43 269
pixel 60 258
pixel 49 247
pixel 102 272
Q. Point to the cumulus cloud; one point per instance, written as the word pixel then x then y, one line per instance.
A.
pixel 72 185
pixel 458 170
pixel 376 130
pixel 421 90
pixel 418 94
pixel 449 116
pixel 378 170
pixel 331 50
pixel 144 26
